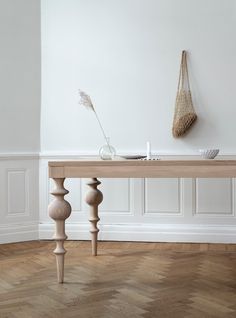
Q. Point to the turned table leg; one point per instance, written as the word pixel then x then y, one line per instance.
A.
pixel 59 210
pixel 94 197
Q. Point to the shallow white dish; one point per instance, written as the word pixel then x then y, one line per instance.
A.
pixel 133 156
pixel 209 153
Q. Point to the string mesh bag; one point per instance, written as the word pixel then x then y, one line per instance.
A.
pixel 184 115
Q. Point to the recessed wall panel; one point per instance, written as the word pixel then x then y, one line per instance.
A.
pixel 214 196
pixel 17 192
pixel 116 193
pixel 162 196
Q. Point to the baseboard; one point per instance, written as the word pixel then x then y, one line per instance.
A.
pixel 148 232
pixel 18 233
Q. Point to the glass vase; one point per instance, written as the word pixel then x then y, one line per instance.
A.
pixel 107 152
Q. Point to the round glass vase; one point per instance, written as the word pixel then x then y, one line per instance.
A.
pixel 107 152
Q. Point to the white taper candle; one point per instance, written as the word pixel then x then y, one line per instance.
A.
pixel 148 150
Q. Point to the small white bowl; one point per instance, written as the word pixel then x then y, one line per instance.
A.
pixel 209 153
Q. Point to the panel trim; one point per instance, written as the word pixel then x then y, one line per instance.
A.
pixel 118 211
pixel 26 198
pixel 196 212
pixel 147 213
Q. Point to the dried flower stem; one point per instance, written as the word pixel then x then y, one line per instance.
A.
pixel 103 132
pixel 86 101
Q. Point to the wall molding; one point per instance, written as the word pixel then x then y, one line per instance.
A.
pixel 12 196
pixel 20 156
pixel 19 232
pixel 147 232
pixel 180 195
pixel 76 154
pixel 196 211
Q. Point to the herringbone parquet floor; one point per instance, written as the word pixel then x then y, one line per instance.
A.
pixel 126 280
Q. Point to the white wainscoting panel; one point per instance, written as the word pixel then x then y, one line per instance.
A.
pixel 17 192
pixel 19 195
pixel 214 196
pixel 117 196
pixel 156 193
pixel 182 210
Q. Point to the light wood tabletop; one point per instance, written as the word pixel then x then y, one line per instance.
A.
pixel 168 166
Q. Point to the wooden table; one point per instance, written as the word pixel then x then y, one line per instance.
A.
pixel 172 167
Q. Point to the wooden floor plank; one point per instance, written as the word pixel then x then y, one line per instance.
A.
pixel 138 280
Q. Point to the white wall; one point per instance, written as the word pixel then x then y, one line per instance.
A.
pixel 19 119
pixel 126 54
pixel 20 76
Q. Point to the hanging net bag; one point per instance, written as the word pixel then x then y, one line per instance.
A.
pixel 184 115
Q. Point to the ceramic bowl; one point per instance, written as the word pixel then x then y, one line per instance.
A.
pixel 209 153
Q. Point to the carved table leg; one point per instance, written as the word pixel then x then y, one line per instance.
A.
pixel 94 197
pixel 59 210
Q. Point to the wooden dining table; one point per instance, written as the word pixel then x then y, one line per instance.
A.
pixel 94 168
